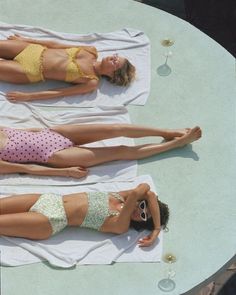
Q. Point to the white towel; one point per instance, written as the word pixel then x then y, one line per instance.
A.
pixel 130 43
pixel 23 116
pixel 78 245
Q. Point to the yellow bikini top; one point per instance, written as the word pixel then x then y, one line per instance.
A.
pixel 73 70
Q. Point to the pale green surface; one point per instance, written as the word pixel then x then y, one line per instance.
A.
pixel 198 182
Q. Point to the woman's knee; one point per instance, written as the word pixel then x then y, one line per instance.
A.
pixel 123 152
pixel 90 157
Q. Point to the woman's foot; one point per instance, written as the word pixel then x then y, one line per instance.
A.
pixel 169 134
pixel 191 136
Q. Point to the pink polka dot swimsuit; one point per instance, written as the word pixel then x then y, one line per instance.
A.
pixel 35 147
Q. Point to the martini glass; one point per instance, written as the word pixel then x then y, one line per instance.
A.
pixel 164 69
pixel 167 284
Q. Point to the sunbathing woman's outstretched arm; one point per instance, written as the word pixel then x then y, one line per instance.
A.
pixel 33 169
pixel 47 43
pixel 87 87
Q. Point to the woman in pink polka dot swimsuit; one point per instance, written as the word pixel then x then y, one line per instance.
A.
pixel 35 147
pixel 57 151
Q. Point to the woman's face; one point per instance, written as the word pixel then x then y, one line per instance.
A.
pixel 112 63
pixel 136 215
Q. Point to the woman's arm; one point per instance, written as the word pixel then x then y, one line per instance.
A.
pixel 122 222
pixel 33 169
pixel 82 88
pixel 47 43
pixel 32 129
pixel 142 192
pixel 155 213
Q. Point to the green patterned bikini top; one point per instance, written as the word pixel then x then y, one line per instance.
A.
pixel 98 209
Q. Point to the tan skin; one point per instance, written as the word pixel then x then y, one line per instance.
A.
pixel 55 61
pixel 75 161
pixel 17 221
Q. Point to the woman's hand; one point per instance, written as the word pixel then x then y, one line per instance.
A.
pixel 16 37
pixel 76 172
pixel 150 239
pixel 144 186
pixel 141 190
pixel 15 96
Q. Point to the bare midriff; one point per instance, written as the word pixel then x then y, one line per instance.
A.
pixel 55 64
pixel 76 206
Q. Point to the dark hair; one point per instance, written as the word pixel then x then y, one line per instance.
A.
pixel 164 212
pixel 124 75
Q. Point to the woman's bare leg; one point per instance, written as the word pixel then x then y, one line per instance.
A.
pixel 88 157
pixel 30 225
pixel 11 48
pixel 17 203
pixel 82 134
pixel 11 71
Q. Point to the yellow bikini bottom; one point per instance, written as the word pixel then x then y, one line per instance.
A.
pixel 31 59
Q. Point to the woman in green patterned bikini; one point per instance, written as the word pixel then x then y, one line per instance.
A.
pixel 37 217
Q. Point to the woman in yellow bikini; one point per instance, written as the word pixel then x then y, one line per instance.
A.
pixel 25 60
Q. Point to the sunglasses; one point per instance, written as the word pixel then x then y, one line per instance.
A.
pixel 143 207
pixel 115 59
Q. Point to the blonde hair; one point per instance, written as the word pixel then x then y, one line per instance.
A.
pixel 124 75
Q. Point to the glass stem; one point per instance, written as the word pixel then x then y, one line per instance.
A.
pixel 170 271
pixel 166 59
